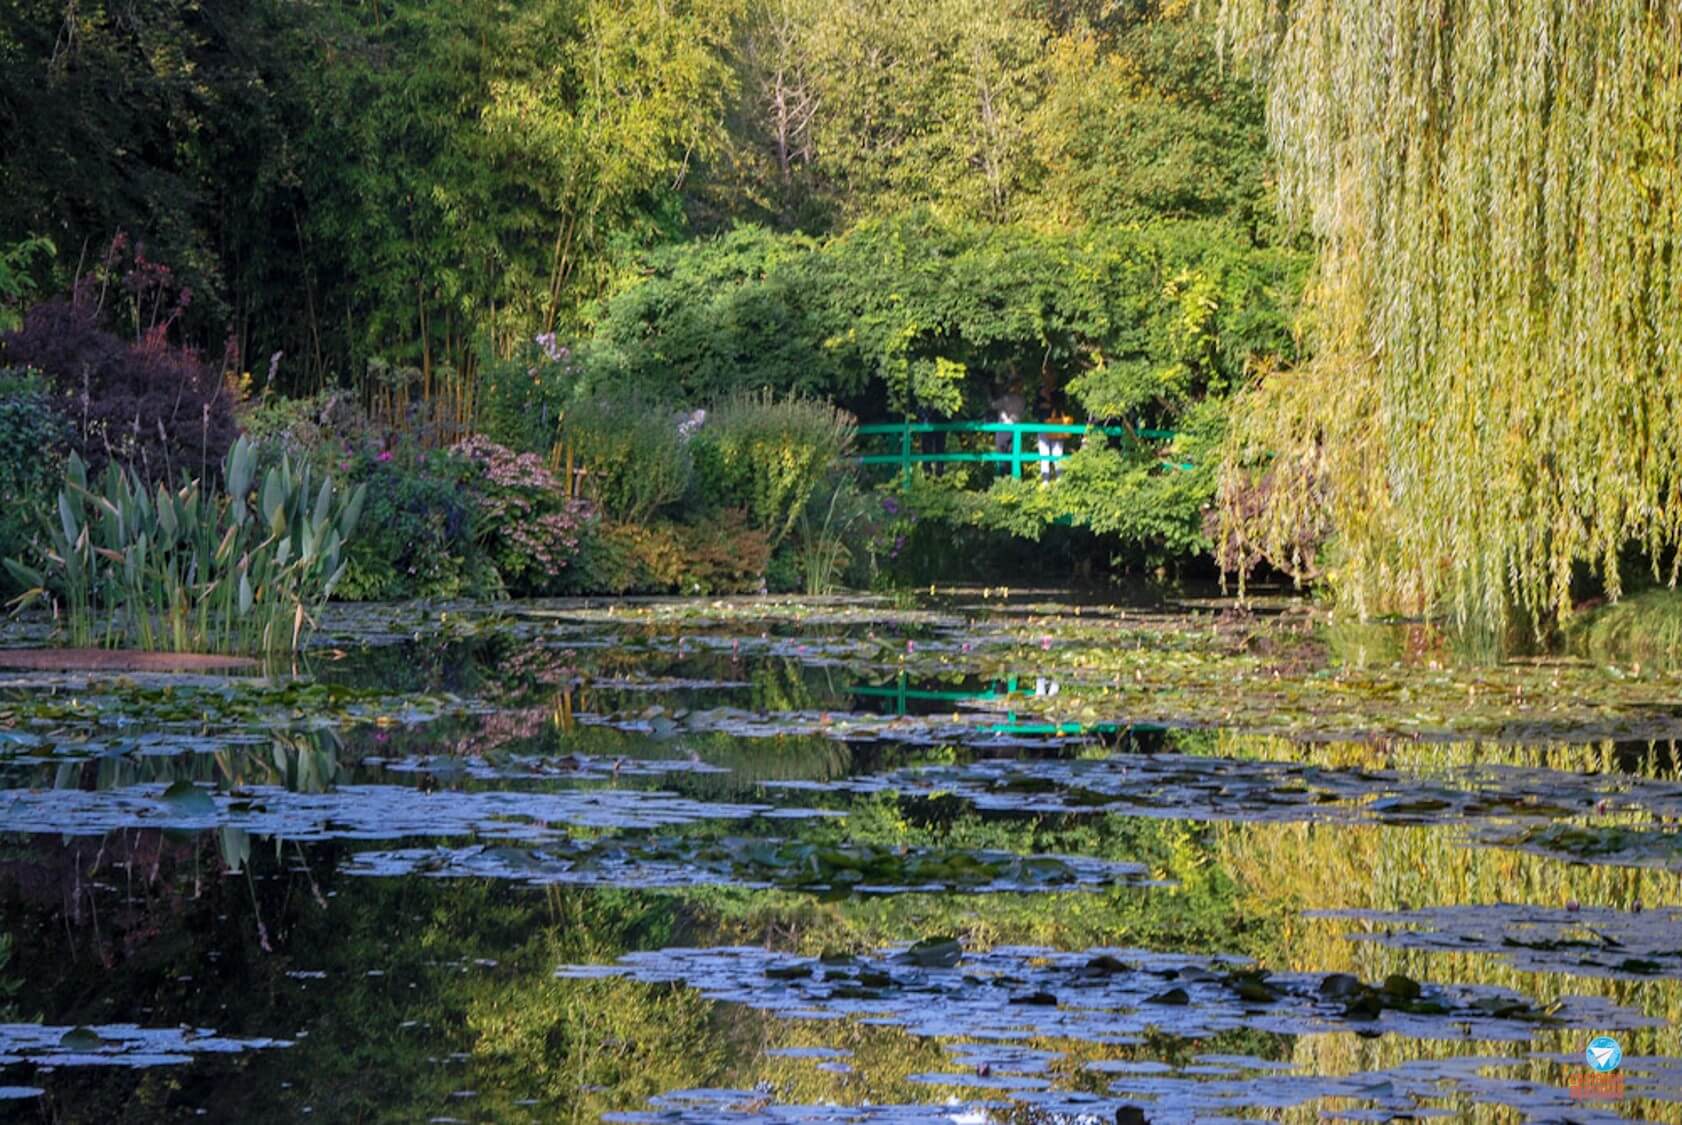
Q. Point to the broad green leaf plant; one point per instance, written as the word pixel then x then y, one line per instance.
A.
pixel 243 568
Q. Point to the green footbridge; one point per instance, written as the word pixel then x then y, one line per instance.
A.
pixel 905 457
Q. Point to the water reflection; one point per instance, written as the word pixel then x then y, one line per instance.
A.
pixel 383 868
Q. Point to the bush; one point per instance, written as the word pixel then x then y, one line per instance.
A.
pixel 417 535
pixel 718 555
pixel 148 404
pixel 307 427
pixel 32 440
pixel 521 400
pixel 723 555
pixel 606 561
pixel 635 457
pixel 768 456
pixel 525 520
pixel 1645 627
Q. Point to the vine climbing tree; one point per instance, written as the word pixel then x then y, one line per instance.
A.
pixel 1496 393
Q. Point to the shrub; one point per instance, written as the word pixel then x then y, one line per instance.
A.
pixel 417 537
pixel 719 555
pixel 147 403
pixel 201 568
pixel 525 520
pixel 768 456
pixel 521 400
pixel 606 562
pixel 723 555
pixel 1645 627
pixel 307 427
pixel 32 440
pixel 17 282
pixel 635 458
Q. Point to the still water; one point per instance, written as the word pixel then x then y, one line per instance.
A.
pixel 981 859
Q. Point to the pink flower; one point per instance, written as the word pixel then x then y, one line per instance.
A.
pixel 1045 643
pixel 385 455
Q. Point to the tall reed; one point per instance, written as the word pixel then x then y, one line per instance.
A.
pixel 241 568
pixel 823 549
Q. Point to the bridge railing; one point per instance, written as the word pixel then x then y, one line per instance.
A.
pixel 906 457
pixel 898 694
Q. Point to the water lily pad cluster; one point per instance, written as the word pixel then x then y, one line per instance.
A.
pixel 360 812
pixel 1099 996
pixel 831 870
pixel 1583 941
pixel 122 1045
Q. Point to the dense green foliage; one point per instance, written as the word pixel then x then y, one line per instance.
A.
pixel 920 312
pixel 567 225
pixel 342 181
pixel 1056 113
pixel 417 531
pixel 768 457
pixel 32 440
pixel 1149 327
pixel 347 181
pixel 1493 402
pixel 636 460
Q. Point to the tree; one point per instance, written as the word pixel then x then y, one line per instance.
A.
pixel 919 311
pixel 501 150
pixel 1146 123
pixel 167 120
pixel 1497 195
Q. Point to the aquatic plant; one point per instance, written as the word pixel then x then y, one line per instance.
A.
pixel 822 543
pixel 239 568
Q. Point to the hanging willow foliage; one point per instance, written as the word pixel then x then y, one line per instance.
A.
pixel 1497 320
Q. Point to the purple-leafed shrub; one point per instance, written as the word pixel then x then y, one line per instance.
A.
pixel 154 405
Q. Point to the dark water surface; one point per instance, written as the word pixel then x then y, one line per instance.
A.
pixel 986 858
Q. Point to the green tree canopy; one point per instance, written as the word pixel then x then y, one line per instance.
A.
pixel 495 150
pixel 896 315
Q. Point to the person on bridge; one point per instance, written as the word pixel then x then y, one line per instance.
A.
pixel 933 443
pixel 1009 406
pixel 1051 447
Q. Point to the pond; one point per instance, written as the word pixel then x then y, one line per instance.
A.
pixel 985 856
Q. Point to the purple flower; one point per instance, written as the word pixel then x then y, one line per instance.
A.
pixel 890 505
pixel 551 349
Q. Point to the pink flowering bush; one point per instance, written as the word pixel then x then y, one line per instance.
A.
pixel 525 520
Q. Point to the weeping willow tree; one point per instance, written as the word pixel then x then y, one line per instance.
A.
pixel 1496 398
